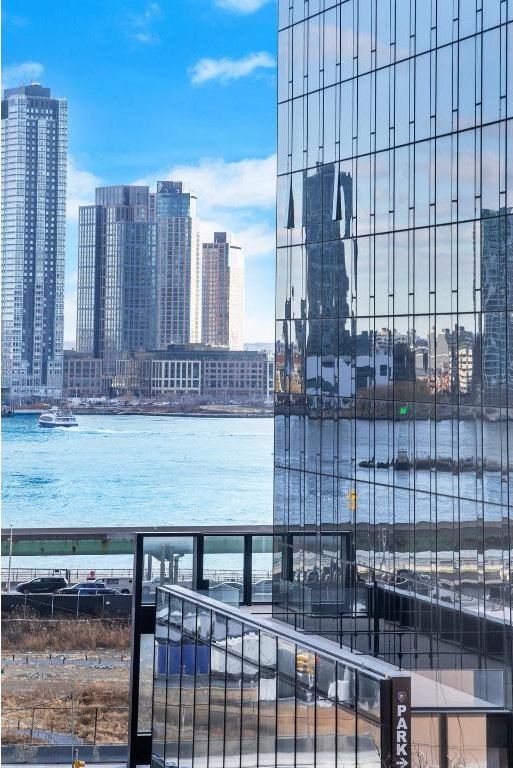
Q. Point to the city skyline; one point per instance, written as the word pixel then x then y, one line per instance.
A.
pixel 350 603
pixel 114 139
pixel 145 280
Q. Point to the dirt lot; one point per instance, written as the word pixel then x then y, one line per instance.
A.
pixel 43 693
pixel 38 698
pixel 20 633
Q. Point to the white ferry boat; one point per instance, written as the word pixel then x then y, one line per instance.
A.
pixel 56 417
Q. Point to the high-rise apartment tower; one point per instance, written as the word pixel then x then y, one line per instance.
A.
pixel 117 291
pixel 34 142
pixel 223 293
pixel 178 264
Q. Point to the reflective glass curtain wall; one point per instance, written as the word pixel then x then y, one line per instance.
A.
pixel 394 332
pixel 178 264
pixel 227 694
pixel 117 275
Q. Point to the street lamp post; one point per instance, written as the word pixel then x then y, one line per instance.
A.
pixel 10 562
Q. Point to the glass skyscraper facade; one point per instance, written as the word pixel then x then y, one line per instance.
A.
pixel 117 275
pixel 178 264
pixel 394 327
pixel 34 159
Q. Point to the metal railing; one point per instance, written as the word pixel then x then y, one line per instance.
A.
pixel 216 575
pixel 74 574
pixel 374 668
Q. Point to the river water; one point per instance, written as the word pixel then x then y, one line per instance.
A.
pixel 158 470
pixel 137 470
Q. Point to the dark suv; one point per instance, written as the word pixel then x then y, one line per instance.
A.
pixel 42 584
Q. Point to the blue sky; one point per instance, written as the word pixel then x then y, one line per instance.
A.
pixel 181 89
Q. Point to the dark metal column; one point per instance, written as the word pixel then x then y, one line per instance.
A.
pixel 287 560
pixel 133 716
pixel 248 570
pixel 396 722
pixel 143 623
pixel 444 757
pixel 198 551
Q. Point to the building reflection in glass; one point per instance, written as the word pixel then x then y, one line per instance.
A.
pixel 394 349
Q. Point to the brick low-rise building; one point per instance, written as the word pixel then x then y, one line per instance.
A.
pixel 193 369
pixel 82 375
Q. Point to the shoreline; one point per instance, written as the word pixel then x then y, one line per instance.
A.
pixel 242 412
pixel 246 412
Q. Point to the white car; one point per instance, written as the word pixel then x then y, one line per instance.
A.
pixel 122 584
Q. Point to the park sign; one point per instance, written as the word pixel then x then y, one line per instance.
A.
pixel 401 722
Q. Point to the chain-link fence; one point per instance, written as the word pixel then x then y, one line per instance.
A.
pixel 65 725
